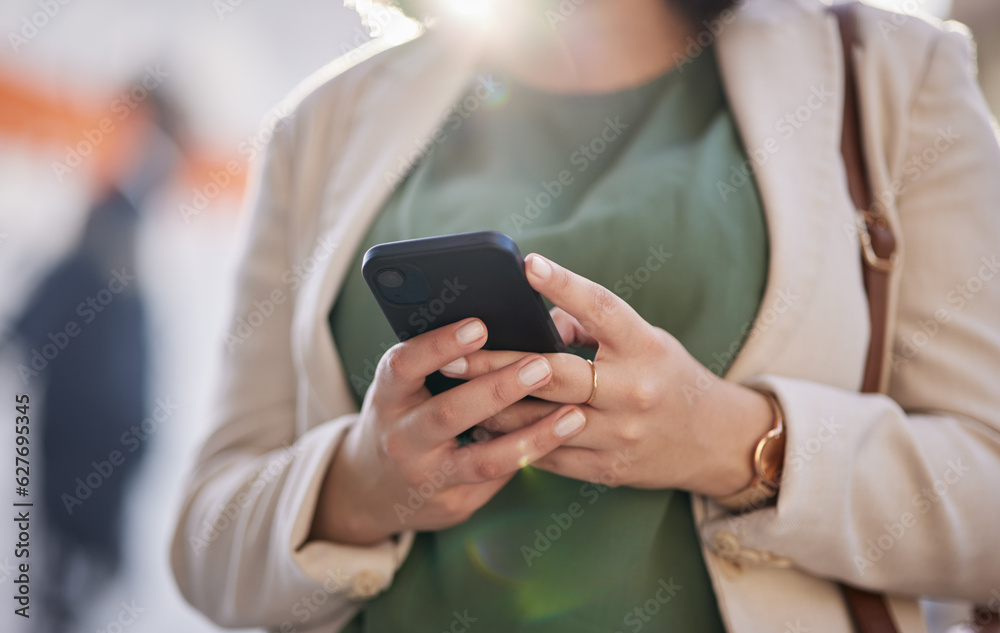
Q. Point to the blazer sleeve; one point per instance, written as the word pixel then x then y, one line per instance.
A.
pixel 898 492
pixel 239 552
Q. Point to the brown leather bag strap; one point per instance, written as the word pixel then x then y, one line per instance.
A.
pixel 869 611
pixel 878 245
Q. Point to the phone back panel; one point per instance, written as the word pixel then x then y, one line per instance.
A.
pixel 467 275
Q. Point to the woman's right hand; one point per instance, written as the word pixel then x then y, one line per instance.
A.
pixel 400 467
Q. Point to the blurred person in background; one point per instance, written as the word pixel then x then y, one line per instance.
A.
pixel 700 140
pixel 94 389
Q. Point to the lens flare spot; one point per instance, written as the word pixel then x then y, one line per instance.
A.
pixel 522 447
pixel 499 94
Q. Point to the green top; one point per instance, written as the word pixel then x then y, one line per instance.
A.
pixel 621 188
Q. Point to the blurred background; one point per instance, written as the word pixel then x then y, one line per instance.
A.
pixel 127 130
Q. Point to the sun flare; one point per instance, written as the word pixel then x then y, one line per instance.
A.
pixel 477 10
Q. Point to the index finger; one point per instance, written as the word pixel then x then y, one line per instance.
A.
pixel 402 370
pixel 603 314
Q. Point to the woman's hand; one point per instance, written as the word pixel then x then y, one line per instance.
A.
pixel 400 467
pixel 659 419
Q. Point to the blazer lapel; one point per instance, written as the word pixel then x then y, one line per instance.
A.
pixel 393 127
pixel 780 65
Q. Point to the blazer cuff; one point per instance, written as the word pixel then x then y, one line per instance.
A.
pixel 870 495
pixel 810 498
pixel 359 572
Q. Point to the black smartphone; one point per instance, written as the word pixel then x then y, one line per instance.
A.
pixel 426 283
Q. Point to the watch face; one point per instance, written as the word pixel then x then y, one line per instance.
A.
pixel 772 457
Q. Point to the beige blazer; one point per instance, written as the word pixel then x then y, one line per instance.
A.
pixel 895 493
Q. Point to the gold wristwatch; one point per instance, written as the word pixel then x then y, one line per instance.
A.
pixel 768 461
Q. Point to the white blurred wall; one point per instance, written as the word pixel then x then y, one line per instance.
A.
pixel 226 72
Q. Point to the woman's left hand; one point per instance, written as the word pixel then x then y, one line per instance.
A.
pixel 659 419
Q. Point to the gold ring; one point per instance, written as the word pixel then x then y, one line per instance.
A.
pixel 593 390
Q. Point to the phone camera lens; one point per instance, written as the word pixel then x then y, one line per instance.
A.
pixel 390 278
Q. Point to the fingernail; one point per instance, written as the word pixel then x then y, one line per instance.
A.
pixel 570 422
pixel 456 367
pixel 534 372
pixel 470 332
pixel 540 267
